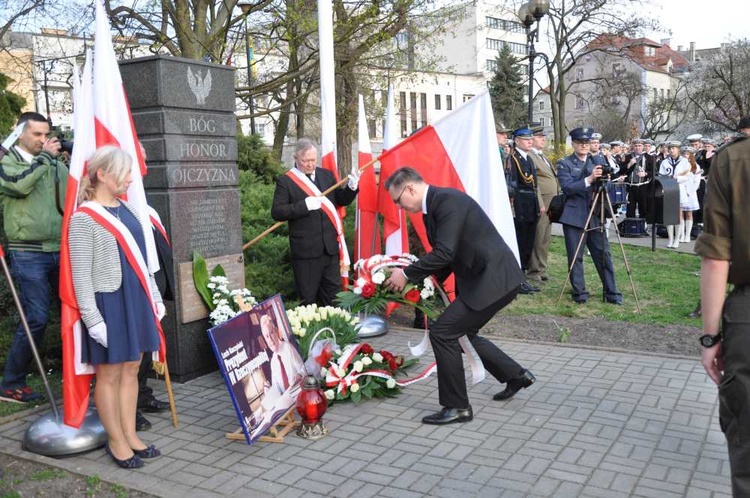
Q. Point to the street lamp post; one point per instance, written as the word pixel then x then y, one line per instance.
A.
pixel 530 13
pixel 245 5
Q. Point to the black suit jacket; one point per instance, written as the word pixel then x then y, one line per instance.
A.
pixel 465 241
pixel 311 233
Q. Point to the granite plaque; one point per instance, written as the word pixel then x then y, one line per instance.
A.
pixel 173 121
pixel 192 307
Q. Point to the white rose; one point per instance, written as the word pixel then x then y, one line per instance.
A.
pixel 390 383
pixel 425 294
pixel 377 357
pixel 323 371
pixel 357 290
pixel 354 387
pixel 340 372
pixel 358 366
pixel 366 361
pixel 378 278
pixel 330 394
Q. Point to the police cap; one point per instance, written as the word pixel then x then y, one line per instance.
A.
pixel 581 134
pixel 523 133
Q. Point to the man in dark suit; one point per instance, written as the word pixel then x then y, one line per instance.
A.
pixel 579 175
pixel 315 231
pixel 487 279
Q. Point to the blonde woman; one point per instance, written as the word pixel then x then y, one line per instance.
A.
pixel 108 253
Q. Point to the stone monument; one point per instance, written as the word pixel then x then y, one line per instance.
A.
pixel 183 112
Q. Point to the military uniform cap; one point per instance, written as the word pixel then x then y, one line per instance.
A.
pixel 596 136
pixel 648 141
pixel 687 148
pixel 605 145
pixel 708 141
pixel 501 128
pixel 674 143
pixel 616 143
pixel 539 130
pixel 581 134
pixel 744 123
pixel 638 141
pixel 694 137
pixel 523 133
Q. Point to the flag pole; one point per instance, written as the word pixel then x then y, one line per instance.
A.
pixel 326 192
pixel 170 394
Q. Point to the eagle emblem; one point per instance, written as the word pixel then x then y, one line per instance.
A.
pixel 200 86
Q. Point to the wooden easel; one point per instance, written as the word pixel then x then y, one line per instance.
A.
pixel 276 432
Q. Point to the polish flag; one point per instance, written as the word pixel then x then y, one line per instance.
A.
pixel 366 227
pixel 77 376
pixel 395 231
pixel 327 91
pixel 458 151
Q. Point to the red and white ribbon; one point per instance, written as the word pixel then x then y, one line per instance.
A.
pixel 475 363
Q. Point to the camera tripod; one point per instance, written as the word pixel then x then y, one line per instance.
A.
pixel 602 200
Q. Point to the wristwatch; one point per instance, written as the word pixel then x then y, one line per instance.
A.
pixel 709 341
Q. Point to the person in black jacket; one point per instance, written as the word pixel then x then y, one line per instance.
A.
pixel 316 234
pixel 488 278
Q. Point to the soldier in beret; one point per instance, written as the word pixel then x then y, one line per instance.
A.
pixel 578 174
pixel 723 246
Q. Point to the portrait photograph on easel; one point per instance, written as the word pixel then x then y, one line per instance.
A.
pixel 260 362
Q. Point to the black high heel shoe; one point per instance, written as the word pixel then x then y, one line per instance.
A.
pixel 149 451
pixel 133 462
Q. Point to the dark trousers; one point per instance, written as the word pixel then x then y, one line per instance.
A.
pixel 525 235
pixel 317 280
pixel 698 215
pixel 638 196
pixel 598 245
pixel 35 274
pixel 734 400
pixel 145 393
pixel 458 320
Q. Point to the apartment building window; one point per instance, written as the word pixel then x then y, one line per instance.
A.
pixel 468 96
pixel 516 48
pixel 402 112
pixel 662 93
pixel 496 23
pixel 542 122
pixel 438 98
pixel 650 51
pixel 541 105
pixel 580 104
pixel 449 102
pixel 413 110
pixel 494 44
pixel 491 65
pixel 617 70
pixel 423 108
pixel 669 93
pixel 656 94
pixel 579 73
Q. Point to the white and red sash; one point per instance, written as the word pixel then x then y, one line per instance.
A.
pixel 133 255
pixel 309 188
pixel 156 223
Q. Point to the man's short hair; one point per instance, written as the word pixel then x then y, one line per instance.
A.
pixel 402 176
pixel 304 144
pixel 31 116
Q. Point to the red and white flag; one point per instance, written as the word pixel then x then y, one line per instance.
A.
pixel 395 231
pixel 458 151
pixel 101 117
pixel 77 376
pixel 366 227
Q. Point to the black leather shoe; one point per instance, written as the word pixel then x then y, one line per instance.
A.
pixel 449 416
pixel 616 302
pixel 514 385
pixel 141 422
pixel 153 405
pixel 527 288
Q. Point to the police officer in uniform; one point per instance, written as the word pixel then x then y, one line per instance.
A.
pixel 724 246
pixel 524 193
pixel 579 174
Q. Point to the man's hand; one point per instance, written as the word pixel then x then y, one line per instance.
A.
pixel 542 210
pixel 313 203
pixel 641 174
pixel 99 333
pixel 52 147
pixel 596 173
pixel 396 281
pixel 713 361
pixel 354 179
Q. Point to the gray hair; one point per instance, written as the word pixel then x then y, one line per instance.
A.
pixel 304 144
pixel 402 176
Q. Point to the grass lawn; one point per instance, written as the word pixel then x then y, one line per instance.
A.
pixel 666 282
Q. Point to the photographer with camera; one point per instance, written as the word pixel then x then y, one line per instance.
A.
pixel 32 181
pixel 580 174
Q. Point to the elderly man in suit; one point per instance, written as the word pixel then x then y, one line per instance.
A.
pixel 579 174
pixel 316 233
pixel 487 279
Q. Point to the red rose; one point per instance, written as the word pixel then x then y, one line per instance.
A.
pixel 392 364
pixel 366 349
pixel 368 290
pixel 412 296
pixel 387 355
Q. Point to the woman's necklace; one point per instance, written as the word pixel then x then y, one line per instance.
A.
pixel 114 210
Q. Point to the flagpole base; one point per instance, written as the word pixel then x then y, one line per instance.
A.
pixel 371 326
pixel 50 437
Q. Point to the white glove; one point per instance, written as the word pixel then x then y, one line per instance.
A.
pixel 99 333
pixel 354 179
pixel 161 311
pixel 313 203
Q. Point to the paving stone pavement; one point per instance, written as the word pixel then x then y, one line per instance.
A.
pixel 595 424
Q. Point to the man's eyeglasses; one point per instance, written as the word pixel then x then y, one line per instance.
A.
pixel 581 143
pixel 397 201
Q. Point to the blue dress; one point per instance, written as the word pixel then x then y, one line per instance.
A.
pixel 131 329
